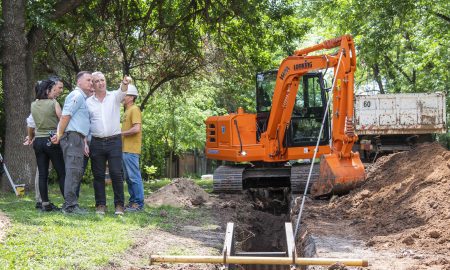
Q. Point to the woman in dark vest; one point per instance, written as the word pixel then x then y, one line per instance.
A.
pixel 46 112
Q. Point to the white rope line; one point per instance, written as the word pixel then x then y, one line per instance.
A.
pixel 297 226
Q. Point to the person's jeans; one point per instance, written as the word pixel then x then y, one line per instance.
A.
pixel 44 154
pixel 102 150
pixel 133 178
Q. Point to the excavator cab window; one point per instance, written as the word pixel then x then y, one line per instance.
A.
pixel 308 109
pixel 265 86
pixel 308 112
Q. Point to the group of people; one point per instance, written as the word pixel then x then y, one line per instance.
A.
pixel 88 125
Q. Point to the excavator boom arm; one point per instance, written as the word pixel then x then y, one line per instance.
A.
pixel 286 87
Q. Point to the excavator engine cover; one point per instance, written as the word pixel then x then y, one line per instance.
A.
pixel 338 175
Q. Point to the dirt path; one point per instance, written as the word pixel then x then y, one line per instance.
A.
pixel 4 224
pixel 189 240
pixel 194 237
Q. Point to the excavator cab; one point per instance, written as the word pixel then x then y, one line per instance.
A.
pixel 308 112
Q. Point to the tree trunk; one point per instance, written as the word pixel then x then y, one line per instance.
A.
pixel 170 165
pixel 18 158
pixel 377 76
pixel 18 49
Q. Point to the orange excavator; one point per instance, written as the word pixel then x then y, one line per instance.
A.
pixel 291 127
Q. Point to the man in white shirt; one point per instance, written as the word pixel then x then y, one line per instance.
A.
pixel 106 142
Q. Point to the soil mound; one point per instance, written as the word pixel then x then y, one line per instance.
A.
pixel 405 200
pixel 182 192
pixel 4 224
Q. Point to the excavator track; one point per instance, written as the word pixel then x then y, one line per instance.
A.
pixel 228 179
pixel 299 177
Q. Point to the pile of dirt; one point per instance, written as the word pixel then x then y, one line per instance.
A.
pixel 4 224
pixel 405 200
pixel 182 192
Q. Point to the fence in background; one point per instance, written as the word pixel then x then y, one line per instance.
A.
pixel 189 164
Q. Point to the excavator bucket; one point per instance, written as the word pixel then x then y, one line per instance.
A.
pixel 338 175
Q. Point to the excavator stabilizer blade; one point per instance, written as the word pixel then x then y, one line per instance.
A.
pixel 338 175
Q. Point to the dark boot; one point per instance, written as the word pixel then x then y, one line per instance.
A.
pixel 48 207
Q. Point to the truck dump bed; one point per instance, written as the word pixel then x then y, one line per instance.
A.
pixel 403 113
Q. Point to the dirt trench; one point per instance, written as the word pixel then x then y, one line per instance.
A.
pixel 259 217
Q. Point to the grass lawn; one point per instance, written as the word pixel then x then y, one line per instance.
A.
pixel 52 240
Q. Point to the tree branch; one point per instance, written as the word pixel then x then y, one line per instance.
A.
pixel 36 33
pixel 442 16
pixel 376 74
pixel 168 78
pixel 72 59
pixel 400 69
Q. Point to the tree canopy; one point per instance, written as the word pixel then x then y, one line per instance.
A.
pixel 191 59
pixel 402 45
pixel 159 41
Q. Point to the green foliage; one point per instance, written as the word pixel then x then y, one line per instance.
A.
pixel 157 184
pixel 402 44
pixel 206 184
pixel 444 140
pixel 88 176
pixel 174 121
pixel 159 41
pixel 168 46
pixel 150 171
pixel 256 40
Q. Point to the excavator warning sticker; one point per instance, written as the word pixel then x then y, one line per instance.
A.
pixel 223 129
pixel 213 151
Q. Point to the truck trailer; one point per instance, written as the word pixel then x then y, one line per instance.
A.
pixel 388 123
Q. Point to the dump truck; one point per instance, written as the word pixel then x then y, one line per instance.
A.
pixel 388 123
